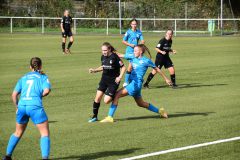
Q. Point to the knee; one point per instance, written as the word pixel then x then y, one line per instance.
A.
pixel 107 101
pixel 97 100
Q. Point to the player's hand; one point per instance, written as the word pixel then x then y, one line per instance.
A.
pixel 174 52
pixel 117 80
pixel 91 70
pixel 63 33
pixel 163 52
pixel 132 45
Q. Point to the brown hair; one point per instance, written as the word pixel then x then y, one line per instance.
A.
pixel 110 47
pixel 36 64
pixel 144 49
pixel 132 20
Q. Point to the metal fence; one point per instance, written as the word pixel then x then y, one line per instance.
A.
pixel 108 26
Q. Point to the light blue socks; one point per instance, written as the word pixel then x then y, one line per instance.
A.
pixel 45 147
pixel 112 110
pixel 13 141
pixel 153 108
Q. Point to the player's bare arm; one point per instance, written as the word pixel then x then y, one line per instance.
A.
pixel 128 44
pixel 160 51
pixel 118 79
pixel 99 69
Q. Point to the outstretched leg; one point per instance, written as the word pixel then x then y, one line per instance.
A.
pixel 141 103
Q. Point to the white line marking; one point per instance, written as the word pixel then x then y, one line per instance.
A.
pixel 182 148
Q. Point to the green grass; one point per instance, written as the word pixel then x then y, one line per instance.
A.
pixel 205 108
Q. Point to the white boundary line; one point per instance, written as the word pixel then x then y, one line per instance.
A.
pixel 182 148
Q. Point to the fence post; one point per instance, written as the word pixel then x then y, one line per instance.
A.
pixel 107 27
pixel 141 25
pixel 11 25
pixel 175 27
pixel 42 25
pixel 75 26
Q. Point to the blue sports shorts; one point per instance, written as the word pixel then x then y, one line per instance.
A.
pixel 134 89
pixel 37 114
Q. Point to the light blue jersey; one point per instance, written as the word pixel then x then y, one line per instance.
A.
pixel 132 37
pixel 31 87
pixel 139 68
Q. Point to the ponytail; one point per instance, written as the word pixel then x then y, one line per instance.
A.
pixel 144 49
pixel 36 64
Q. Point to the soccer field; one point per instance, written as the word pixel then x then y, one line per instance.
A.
pixel 205 107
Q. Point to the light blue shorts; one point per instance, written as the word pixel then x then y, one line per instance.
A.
pixel 37 114
pixel 134 89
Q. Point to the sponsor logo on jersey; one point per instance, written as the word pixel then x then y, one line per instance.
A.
pixel 141 61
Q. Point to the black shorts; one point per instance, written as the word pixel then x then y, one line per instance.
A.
pixel 67 34
pixel 163 61
pixel 109 87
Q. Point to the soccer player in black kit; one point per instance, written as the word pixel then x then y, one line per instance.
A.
pixel 112 72
pixel 66 31
pixel 162 58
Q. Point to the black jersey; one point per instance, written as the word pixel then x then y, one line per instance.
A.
pixel 164 45
pixel 111 65
pixel 66 21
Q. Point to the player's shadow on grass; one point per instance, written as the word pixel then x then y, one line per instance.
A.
pixel 190 85
pixel 52 121
pixel 176 115
pixel 99 154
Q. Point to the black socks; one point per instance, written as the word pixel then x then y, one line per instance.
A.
pixel 150 77
pixel 63 46
pixel 95 109
pixel 69 45
pixel 173 79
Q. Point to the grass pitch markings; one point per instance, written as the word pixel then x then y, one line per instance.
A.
pixel 182 148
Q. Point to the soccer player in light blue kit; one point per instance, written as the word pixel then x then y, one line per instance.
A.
pixel 140 64
pixel 31 88
pixel 131 39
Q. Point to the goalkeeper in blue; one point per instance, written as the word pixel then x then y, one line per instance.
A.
pixel 140 64
pixel 31 88
pixel 131 39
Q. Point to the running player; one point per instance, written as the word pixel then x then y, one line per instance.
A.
pixel 112 71
pixel 66 31
pixel 131 39
pixel 31 88
pixel 162 58
pixel 140 64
